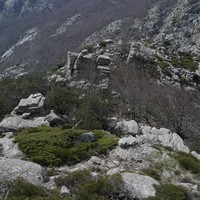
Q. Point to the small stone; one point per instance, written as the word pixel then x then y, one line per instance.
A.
pixel 87 137
pixel 127 142
pixel 64 191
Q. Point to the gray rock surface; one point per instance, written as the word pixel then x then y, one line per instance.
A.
pixel 87 137
pixel 139 186
pixel 127 142
pixel 10 169
pixel 103 60
pixel 64 191
pixel 53 119
pixel 10 149
pixel 15 123
pixel 128 127
pixel 33 104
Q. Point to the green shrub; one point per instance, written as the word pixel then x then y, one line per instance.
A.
pixel 61 99
pixel 102 44
pixel 20 88
pixel 186 61
pixel 194 145
pixel 93 112
pixel 152 173
pixel 170 192
pixel 188 162
pixel 53 146
pixel 183 81
pixel 20 189
pixel 86 187
pixel 164 67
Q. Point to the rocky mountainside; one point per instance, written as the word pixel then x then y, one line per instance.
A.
pixel 118 118
pixel 146 158
pixel 39 33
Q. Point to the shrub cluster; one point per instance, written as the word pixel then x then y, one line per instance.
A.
pixel 86 187
pixel 54 146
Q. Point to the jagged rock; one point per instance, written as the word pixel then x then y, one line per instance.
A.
pixel 127 142
pixel 10 149
pixel 87 137
pixel 104 69
pixel 15 123
pixel 173 140
pixel 139 52
pixel 95 160
pixel 103 60
pixel 139 186
pixel 114 171
pixel 126 127
pixel 64 191
pixel 33 104
pixel 60 80
pixel 25 115
pixel 10 169
pixel 195 154
pixel 54 120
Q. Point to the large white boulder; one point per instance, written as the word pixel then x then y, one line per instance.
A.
pixel 10 169
pixel 15 123
pixel 33 105
pixel 139 186
pixel 128 127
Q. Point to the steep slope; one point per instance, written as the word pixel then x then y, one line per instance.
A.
pixel 58 26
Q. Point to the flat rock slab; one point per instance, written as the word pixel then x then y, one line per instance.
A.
pixel 10 169
pixel 15 123
pixel 139 186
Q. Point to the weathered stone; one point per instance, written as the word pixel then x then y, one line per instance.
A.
pixel 103 60
pixel 33 104
pixel 139 186
pixel 64 191
pixel 130 127
pixel 71 59
pixel 15 123
pixel 54 120
pixel 95 160
pixel 10 169
pixel 10 149
pixel 127 142
pixel 87 137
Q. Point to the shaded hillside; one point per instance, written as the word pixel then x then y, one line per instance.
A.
pixel 59 26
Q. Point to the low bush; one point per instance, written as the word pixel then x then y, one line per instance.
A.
pixel 186 61
pixel 61 99
pixel 152 173
pixel 53 146
pixel 170 192
pixel 189 162
pixel 20 189
pixel 86 187
pixel 93 112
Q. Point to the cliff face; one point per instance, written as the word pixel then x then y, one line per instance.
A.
pixel 22 7
pixel 37 33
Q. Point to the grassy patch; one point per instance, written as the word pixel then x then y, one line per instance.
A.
pixel 188 162
pixel 152 172
pixel 53 146
pixel 20 189
pixel 165 68
pixel 194 145
pixel 185 61
pixel 170 192
pixel 84 186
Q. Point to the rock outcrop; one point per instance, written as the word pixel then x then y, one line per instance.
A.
pixel 33 105
pixel 10 169
pixel 139 186
pixel 16 122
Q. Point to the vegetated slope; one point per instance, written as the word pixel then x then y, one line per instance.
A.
pixel 39 34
